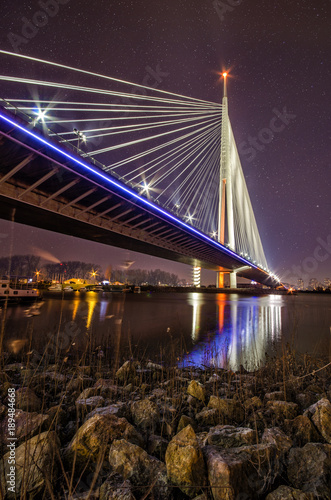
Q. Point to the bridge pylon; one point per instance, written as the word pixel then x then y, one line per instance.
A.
pixel 225 205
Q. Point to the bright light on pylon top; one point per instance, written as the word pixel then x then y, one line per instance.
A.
pixel 224 74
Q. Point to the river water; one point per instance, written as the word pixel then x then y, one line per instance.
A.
pixel 226 330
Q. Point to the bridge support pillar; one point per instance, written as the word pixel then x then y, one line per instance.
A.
pixel 197 276
pixel 233 280
pixel 219 279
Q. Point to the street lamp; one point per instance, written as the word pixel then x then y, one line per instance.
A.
pixel 94 274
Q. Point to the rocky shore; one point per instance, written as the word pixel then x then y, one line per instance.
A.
pixel 149 432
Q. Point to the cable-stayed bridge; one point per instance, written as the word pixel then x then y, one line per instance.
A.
pixel 148 170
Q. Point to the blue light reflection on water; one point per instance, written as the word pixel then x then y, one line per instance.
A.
pixel 218 329
pixel 246 327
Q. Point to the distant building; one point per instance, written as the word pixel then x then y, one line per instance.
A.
pixel 313 284
pixel 301 285
pixel 327 283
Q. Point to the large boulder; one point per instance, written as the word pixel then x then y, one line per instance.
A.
pixel 302 430
pixel 320 414
pixel 278 438
pixel 309 468
pixel 146 473
pixel 185 463
pixel 145 414
pixel 245 472
pixel 230 410
pixel 228 436
pixel 35 468
pixel 94 437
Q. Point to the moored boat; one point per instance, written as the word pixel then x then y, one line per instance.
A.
pixel 15 290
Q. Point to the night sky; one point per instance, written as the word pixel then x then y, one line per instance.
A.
pixel 278 55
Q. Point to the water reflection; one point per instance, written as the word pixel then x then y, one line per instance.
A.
pixel 246 328
pixel 218 329
pixel 196 301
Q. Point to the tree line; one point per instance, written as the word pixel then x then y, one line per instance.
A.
pixel 28 265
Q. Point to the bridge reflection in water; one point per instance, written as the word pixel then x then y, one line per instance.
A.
pixel 246 329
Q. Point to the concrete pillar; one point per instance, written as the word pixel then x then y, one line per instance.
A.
pixel 233 280
pixel 219 279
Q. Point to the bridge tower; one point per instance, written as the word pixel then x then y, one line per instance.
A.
pixel 225 206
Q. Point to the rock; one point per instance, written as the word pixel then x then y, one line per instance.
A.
pixel 84 370
pixel 275 396
pixel 127 371
pixel 229 409
pixel 115 488
pixel 288 493
pixel 57 377
pixel 228 436
pixel 202 438
pixel 57 415
pixel 145 414
pixel 154 366
pixel 184 421
pixel 314 388
pixel 27 400
pixel 244 472
pixel 118 409
pixel 197 390
pixel 89 403
pixel 142 470
pixel 26 424
pixel 320 413
pixel 95 436
pixel 77 384
pixel 185 463
pixel 157 446
pixel 201 497
pixel 305 399
pixel 208 417
pixel 302 430
pixel 253 403
pixel 278 438
pixel 88 393
pixel 282 409
pixel 36 466
pixel 309 468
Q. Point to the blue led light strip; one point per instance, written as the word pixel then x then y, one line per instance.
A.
pixel 128 191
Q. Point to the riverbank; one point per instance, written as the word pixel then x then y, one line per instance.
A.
pixel 88 429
